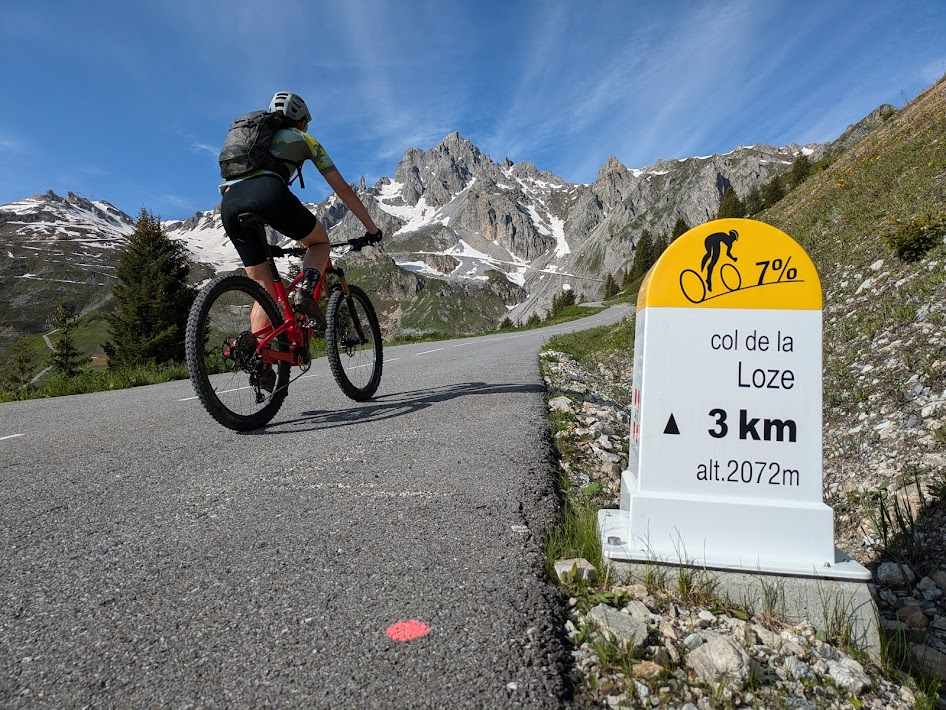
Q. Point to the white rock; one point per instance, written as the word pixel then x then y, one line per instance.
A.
pixel 799 670
pixel 719 659
pixel 618 627
pixel 849 677
pixel 638 610
pixel 560 404
pixel 576 568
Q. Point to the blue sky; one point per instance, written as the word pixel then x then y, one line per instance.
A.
pixel 129 102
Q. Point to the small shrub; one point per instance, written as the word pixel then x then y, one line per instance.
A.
pixel 913 239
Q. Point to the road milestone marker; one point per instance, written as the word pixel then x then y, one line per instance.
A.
pixel 725 460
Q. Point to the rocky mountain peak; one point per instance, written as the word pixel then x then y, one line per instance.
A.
pixel 614 181
pixel 456 143
pixel 49 196
pixel 80 202
pixel 441 172
pixel 611 166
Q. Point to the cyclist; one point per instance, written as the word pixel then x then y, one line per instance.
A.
pixel 267 194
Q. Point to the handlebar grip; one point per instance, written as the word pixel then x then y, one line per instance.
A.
pixel 359 243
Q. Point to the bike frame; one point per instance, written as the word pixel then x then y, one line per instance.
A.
pixel 291 325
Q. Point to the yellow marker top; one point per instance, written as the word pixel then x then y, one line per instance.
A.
pixel 733 263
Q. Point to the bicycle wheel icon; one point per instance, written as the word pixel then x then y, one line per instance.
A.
pixel 694 287
pixel 730 277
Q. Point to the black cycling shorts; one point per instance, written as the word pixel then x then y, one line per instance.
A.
pixel 270 198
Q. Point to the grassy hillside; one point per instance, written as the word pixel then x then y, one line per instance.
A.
pixel 885 346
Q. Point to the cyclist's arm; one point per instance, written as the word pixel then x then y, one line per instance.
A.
pixel 347 195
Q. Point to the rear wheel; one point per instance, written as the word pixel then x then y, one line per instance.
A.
pixel 233 383
pixel 353 343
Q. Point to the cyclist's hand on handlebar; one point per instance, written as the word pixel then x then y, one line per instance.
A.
pixel 359 243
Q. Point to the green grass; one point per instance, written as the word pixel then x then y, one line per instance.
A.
pixel 578 534
pixel 569 313
pixel 97 380
pixel 588 347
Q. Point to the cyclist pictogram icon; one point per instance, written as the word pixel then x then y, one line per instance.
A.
pixel 714 247
pixel 692 283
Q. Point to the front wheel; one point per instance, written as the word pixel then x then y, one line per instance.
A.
pixel 353 343
pixel 233 383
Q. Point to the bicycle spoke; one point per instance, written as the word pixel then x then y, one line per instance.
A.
pixel 231 379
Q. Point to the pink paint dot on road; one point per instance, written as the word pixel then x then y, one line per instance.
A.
pixel 407 630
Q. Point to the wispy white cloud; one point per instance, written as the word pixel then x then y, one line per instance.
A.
pixel 11 145
pixel 204 148
pixel 178 201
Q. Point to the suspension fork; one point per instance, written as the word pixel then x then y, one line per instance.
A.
pixel 346 292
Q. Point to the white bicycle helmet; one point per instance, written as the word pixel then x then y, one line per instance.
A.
pixel 290 105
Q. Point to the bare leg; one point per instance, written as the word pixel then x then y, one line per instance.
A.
pixel 316 256
pixel 263 275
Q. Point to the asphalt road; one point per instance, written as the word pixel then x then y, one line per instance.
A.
pixel 152 558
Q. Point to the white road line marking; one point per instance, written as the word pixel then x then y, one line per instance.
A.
pixel 426 352
pixel 235 389
pixel 11 436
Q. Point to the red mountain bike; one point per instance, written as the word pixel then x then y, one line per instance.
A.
pixel 241 376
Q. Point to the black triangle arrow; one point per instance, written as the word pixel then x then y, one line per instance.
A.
pixel 671 427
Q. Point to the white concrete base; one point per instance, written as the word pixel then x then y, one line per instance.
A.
pixel 745 537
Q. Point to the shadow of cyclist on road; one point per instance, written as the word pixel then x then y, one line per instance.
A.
pixel 389 406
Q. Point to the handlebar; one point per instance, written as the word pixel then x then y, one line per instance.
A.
pixel 357 244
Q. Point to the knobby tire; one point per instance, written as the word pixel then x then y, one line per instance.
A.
pixel 220 314
pixel 356 365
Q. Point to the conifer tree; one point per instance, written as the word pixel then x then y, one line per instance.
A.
pixel 18 367
pixel 753 201
pixel 679 228
pixel 66 358
pixel 566 297
pixel 643 256
pixel 660 246
pixel 730 205
pixel 152 299
pixel 772 191
pixel 800 171
pixel 611 288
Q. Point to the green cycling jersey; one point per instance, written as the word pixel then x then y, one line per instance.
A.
pixel 295 147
